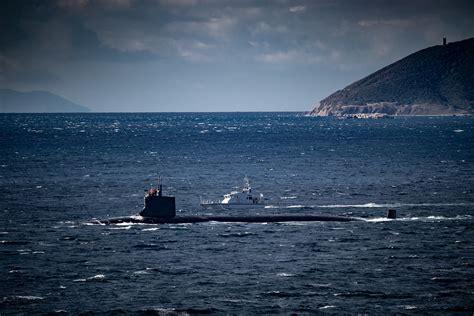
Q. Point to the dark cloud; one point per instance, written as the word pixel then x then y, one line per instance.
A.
pixel 15 17
pixel 193 29
pixel 41 41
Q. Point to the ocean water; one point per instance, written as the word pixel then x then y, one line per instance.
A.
pixel 57 172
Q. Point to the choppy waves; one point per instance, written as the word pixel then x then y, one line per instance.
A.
pixel 60 171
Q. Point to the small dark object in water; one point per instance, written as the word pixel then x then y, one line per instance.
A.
pixel 392 214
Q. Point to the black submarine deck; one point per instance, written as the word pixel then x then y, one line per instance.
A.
pixel 228 219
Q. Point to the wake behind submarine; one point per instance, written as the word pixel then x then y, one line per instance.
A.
pixel 160 209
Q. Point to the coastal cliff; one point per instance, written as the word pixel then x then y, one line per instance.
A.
pixel 438 80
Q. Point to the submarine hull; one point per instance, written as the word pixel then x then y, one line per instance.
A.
pixel 227 219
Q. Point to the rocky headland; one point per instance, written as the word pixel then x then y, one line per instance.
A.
pixel 438 80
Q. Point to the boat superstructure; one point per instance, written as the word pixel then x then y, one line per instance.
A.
pixel 235 199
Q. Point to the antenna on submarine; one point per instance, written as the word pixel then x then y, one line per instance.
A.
pixel 160 185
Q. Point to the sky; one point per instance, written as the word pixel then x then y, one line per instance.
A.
pixel 213 55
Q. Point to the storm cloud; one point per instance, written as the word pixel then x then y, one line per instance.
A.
pixel 193 55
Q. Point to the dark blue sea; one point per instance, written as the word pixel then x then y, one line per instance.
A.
pixel 60 171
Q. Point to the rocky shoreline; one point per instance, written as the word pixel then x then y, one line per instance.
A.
pixel 387 108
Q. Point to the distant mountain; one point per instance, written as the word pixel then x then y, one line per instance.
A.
pixel 36 102
pixel 438 80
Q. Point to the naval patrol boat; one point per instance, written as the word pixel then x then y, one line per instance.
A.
pixel 247 198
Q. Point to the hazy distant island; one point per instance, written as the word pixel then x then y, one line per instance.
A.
pixel 438 80
pixel 12 101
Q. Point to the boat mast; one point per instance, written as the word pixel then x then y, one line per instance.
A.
pixel 160 185
pixel 246 184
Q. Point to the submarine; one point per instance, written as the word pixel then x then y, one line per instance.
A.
pixel 160 209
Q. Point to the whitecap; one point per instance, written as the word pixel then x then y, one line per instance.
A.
pixel 327 306
pixel 410 307
pixel 298 223
pixel 96 222
pixel 272 206
pixel 379 219
pixel 295 206
pixel 124 224
pixel 321 284
pixel 386 205
pixel 29 297
pixel 419 218
pixel 121 228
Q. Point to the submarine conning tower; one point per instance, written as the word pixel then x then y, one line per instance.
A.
pixel 157 205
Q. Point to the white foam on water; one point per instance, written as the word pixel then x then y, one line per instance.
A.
pixel 287 197
pixel 419 218
pixel 298 223
pixel 96 222
pixel 164 311
pixel 327 306
pixel 92 278
pixel 150 229
pixel 410 307
pixel 29 297
pixel 124 224
pixel 321 284
pixel 394 205
pixel 121 228
pixel 379 219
